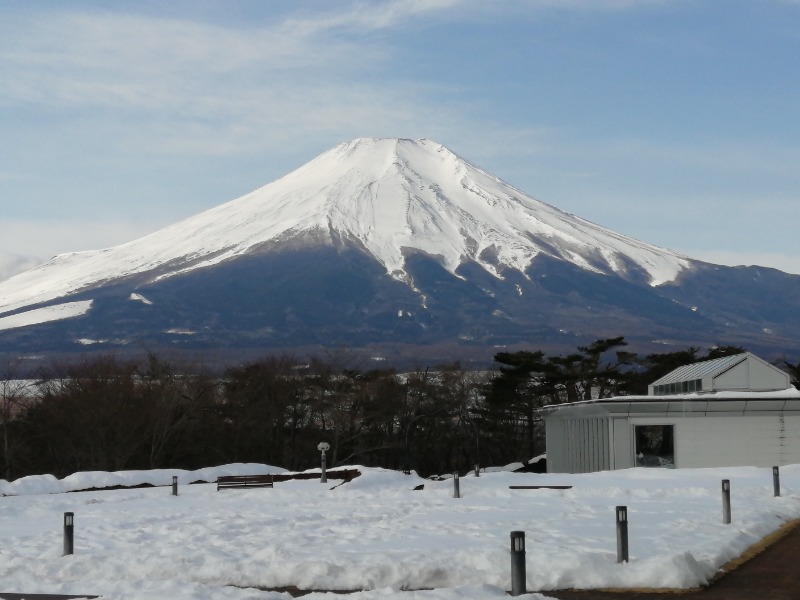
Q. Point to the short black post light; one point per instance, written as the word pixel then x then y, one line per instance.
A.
pixel 622 534
pixel 726 501
pixel 69 533
pixel 518 576
pixel 456 486
pixel 477 470
pixel 174 485
pixel 776 481
pixel 323 447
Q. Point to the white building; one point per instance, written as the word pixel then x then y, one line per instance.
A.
pixel 731 411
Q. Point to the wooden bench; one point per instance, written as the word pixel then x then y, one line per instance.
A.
pixel 540 487
pixel 244 481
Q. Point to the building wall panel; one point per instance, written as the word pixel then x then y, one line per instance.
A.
pixel 729 441
pixel 710 430
pixel 790 447
pixel 765 377
pixel 577 445
pixel 623 444
pixel 735 378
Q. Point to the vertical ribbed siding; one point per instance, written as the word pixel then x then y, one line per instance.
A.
pixel 603 444
pixel 578 445
pixel 556 446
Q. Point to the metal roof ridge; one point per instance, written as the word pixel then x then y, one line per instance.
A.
pixel 703 368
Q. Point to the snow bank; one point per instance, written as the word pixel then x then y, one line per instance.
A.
pixel 47 484
pixel 379 534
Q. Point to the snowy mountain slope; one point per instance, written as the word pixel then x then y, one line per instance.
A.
pixel 390 246
pixel 391 197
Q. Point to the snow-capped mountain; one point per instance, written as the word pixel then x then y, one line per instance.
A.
pixel 430 248
pixel 389 196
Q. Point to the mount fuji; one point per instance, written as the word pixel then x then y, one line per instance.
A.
pixel 395 245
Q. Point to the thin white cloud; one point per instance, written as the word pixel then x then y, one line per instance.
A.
pixel 28 242
pixel 208 89
pixel 367 16
pixel 12 263
pixel 212 90
pixel 143 63
pixel 139 63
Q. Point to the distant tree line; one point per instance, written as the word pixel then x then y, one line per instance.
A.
pixel 109 414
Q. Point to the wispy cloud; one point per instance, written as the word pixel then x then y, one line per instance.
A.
pixel 43 238
pixel 144 63
pixel 11 264
pixel 124 60
pixel 212 90
pixel 309 71
pixel 367 16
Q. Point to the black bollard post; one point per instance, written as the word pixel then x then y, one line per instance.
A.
pixel 776 481
pixel 174 485
pixel 69 532
pixel 477 470
pixel 726 501
pixel 622 534
pixel 518 576
pixel 456 486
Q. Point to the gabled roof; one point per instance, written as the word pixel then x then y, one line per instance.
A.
pixel 706 368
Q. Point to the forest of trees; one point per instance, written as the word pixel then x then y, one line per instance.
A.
pixel 108 414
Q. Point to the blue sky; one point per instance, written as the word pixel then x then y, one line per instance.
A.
pixel 672 121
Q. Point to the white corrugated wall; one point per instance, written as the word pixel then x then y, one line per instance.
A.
pixel 578 445
pixel 758 441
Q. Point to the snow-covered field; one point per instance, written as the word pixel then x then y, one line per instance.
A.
pixel 377 534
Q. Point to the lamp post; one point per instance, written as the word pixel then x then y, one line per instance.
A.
pixel 776 481
pixel 518 577
pixel 69 533
pixel 726 501
pixel 622 534
pixel 323 447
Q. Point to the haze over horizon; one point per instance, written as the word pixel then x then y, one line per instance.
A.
pixel 671 122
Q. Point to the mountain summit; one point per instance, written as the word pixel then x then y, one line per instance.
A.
pixel 431 248
pixel 389 196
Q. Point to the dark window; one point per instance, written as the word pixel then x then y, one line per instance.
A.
pixel 655 445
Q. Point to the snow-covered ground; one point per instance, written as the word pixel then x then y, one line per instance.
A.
pixel 376 533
